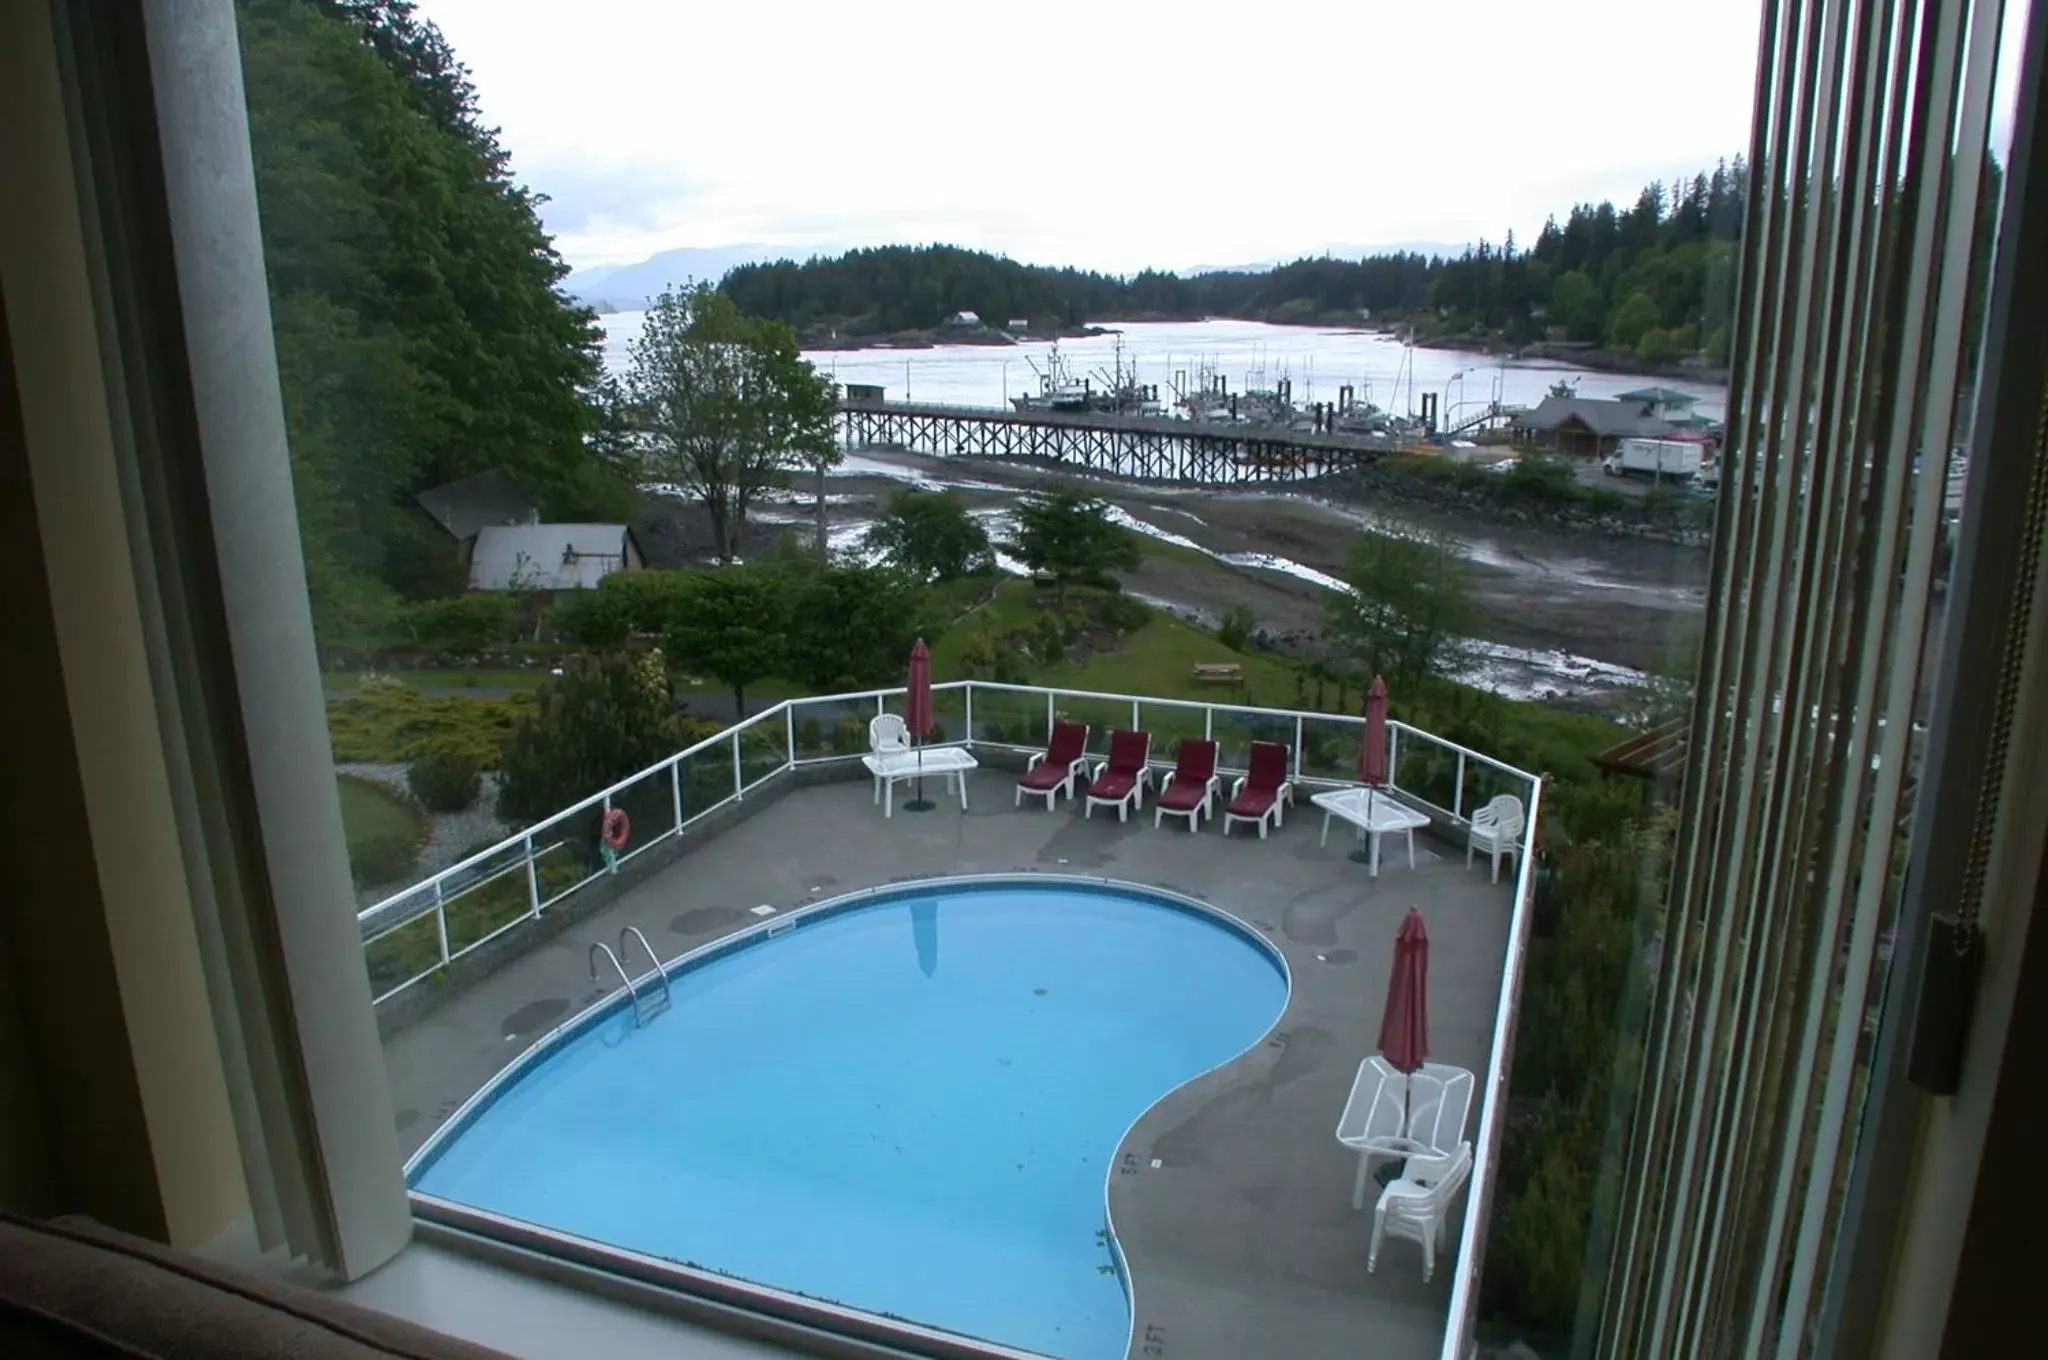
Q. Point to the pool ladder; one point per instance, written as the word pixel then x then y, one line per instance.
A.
pixel 653 1003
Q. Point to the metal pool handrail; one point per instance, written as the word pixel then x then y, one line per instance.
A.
pixel 600 947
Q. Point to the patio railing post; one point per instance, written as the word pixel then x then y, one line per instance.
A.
pixel 789 731
pixel 1393 757
pixel 1208 722
pixel 532 880
pixel 1297 748
pixel 1048 717
pixel 441 917
pixel 675 788
pixel 970 713
pixel 1458 790
pixel 738 780
pixel 1135 725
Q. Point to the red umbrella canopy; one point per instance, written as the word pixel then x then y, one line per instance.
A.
pixel 1404 1028
pixel 1372 757
pixel 917 704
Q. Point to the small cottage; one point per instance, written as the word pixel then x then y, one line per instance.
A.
pixel 551 557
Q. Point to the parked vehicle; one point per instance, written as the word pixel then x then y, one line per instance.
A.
pixel 1659 458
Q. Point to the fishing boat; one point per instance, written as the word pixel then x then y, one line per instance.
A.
pixel 1121 393
pixel 1058 388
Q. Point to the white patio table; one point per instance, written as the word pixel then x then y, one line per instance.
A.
pixel 1374 813
pixel 949 762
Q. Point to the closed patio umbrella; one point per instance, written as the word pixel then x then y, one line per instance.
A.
pixel 917 716
pixel 1404 1025
pixel 1372 755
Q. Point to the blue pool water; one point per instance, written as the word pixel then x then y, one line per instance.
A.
pixel 908 1106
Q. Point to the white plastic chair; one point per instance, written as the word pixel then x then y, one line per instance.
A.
pixel 1496 829
pixel 888 735
pixel 1418 1204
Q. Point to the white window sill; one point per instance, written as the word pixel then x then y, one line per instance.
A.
pixel 535 1318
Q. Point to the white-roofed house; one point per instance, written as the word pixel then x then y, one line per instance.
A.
pixel 550 557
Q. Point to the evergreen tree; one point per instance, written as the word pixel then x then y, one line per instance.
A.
pixel 1068 535
pixel 421 335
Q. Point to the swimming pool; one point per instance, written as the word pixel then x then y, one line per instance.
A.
pixel 907 1104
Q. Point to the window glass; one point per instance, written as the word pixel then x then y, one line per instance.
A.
pixel 748 457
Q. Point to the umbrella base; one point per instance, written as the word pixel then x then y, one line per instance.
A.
pixel 919 805
pixel 1360 856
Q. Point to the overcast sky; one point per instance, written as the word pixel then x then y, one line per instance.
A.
pixel 1107 135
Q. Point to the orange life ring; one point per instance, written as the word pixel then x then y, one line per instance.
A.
pixel 616 828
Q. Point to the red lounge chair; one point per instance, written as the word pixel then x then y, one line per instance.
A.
pixel 1053 771
pixel 1190 790
pixel 1120 781
pixel 1259 795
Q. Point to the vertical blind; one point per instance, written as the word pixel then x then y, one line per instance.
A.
pixel 1863 262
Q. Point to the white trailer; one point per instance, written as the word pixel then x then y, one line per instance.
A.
pixel 1660 458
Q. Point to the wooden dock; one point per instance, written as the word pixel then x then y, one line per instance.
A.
pixel 1140 448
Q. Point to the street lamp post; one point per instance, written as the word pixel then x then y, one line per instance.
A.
pixel 1006 382
pixel 1458 378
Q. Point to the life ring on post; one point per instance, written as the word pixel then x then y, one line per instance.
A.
pixel 617 827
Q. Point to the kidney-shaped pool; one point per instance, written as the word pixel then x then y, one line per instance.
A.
pixel 907 1103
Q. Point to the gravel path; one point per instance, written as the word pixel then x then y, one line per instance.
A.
pixel 449 833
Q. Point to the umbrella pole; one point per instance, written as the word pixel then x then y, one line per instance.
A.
pixel 920 803
pixel 1362 853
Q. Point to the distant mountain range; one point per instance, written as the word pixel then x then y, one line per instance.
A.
pixel 631 285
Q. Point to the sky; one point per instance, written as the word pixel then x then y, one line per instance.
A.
pixel 1110 135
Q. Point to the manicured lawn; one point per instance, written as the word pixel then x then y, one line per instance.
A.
pixel 1159 659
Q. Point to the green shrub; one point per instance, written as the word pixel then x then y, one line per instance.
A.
pixel 1541 477
pixel 597 619
pixel 604 718
pixel 462 623
pixel 1235 629
pixel 849 736
pixel 1052 642
pixel 646 597
pixel 445 778
pixel 384 831
pixel 1120 613
pixel 387 721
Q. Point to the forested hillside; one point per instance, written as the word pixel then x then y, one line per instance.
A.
pixel 1652 278
pixel 420 332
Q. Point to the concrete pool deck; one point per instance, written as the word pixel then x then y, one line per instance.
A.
pixel 1230 1197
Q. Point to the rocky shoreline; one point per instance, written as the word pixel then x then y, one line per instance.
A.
pixel 1390 482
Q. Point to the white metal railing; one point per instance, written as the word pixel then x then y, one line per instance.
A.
pixel 1460 1340
pixel 476 900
